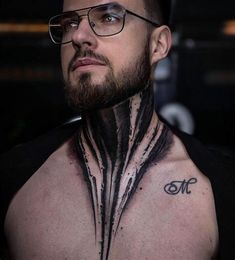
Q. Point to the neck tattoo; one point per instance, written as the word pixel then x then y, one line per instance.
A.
pixel 115 149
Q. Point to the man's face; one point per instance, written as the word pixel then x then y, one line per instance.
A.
pixel 102 71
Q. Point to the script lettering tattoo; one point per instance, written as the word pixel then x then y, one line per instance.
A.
pixel 175 187
pixel 115 156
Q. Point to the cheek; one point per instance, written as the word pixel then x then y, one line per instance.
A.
pixel 129 45
pixel 124 54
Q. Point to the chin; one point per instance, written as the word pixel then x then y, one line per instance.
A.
pixel 95 77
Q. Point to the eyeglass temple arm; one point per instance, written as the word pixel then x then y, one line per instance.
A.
pixel 143 18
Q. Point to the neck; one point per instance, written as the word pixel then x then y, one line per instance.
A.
pixel 116 146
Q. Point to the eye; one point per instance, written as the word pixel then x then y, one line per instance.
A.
pixel 69 24
pixel 110 18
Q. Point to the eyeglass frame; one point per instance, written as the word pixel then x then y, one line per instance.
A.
pixel 126 11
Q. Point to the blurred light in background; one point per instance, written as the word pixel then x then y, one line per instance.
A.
pixel 23 28
pixel 229 28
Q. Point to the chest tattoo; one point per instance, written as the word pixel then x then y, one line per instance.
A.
pixel 176 187
pixel 114 162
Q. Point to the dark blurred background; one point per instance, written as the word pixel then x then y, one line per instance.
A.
pixel 197 80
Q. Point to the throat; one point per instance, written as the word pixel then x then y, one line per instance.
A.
pixel 115 147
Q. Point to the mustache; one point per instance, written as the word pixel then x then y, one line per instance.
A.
pixel 88 54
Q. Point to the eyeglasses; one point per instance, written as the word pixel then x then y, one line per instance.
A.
pixel 105 20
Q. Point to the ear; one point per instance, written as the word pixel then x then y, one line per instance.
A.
pixel 160 43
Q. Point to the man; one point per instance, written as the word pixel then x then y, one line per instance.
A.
pixel 120 184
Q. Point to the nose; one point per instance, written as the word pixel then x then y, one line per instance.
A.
pixel 84 36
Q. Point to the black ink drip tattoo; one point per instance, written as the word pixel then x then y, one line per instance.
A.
pixel 114 162
pixel 175 187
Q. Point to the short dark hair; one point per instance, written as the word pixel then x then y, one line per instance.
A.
pixel 159 10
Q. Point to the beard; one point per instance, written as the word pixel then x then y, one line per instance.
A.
pixel 86 96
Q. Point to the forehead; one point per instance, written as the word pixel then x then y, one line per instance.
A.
pixel 135 5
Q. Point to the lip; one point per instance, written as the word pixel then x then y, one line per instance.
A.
pixel 85 62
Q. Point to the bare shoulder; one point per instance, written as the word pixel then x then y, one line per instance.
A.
pixel 60 170
pixel 180 178
pixel 183 201
pixel 175 210
pixel 50 210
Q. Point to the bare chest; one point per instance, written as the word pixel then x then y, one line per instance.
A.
pixel 53 218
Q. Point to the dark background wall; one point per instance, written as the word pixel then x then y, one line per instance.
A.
pixel 201 74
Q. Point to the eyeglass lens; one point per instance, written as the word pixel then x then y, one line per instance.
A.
pixel 105 20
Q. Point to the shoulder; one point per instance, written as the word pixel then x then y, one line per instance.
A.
pixel 28 157
pixel 21 162
pixel 218 165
